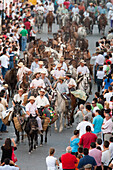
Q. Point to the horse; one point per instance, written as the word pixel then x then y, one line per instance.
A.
pixel 31 130
pixel 83 83
pixel 11 79
pixel 25 82
pixel 83 44
pixel 81 32
pixel 102 22
pixel 50 19
pixel 39 20
pixel 60 107
pixel 88 23
pixel 65 19
pixel 17 113
pixel 76 18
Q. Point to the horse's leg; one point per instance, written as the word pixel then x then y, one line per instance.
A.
pixel 35 139
pixel 46 135
pixel 29 140
pixel 48 27
pixel 41 142
pixel 17 134
pixel 32 137
pixel 22 136
pixel 56 126
pixel 61 124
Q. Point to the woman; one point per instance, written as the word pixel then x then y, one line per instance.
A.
pixel 7 149
pixel 32 34
pixel 100 75
pixel 111 105
pixel 74 141
pixel 51 161
pixel 107 82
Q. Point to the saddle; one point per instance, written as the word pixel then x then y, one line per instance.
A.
pixel 66 99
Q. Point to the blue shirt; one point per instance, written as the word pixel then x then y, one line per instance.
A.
pixel 11 56
pixel 103 11
pixel 74 144
pixel 34 65
pixel 107 84
pixel 62 88
pixel 87 160
pixel 97 122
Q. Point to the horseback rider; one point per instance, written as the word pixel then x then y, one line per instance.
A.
pixel 75 9
pixel 82 69
pixel 63 64
pixel 70 82
pixel 64 11
pixel 42 103
pixel 58 72
pixel 41 68
pixel 59 10
pixel 86 13
pixel 18 97
pixel 35 64
pixel 31 109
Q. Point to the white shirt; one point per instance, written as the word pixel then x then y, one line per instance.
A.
pixel 82 127
pixel 108 96
pixel 95 108
pixel 75 10
pixel 40 70
pixel 31 108
pixel 105 157
pixel 41 101
pixel 100 59
pixel 108 125
pixel 100 74
pixel 22 71
pixel 71 82
pixel 18 98
pixel 111 149
pixel 51 163
pixel 59 73
pixel 83 70
pixel 86 14
pixel 60 2
pixel 4 61
pixel 1 109
pixel 8 167
pixel 36 83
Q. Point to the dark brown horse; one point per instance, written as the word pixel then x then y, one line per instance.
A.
pixel 88 23
pixel 102 23
pixel 25 83
pixel 49 20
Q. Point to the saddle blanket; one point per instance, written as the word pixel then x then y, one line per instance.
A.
pixel 79 94
pixel 6 113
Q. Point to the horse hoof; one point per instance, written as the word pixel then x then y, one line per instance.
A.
pixel 60 130
pixel 56 129
pixel 41 145
pixel 36 146
pixel 68 126
pixel 29 153
pixel 65 126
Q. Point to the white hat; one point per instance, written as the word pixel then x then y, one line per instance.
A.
pixel 20 89
pixel 43 72
pixel 36 72
pixel 82 61
pixel 42 90
pixel 40 63
pixel 20 64
pixel 5 85
pixel 59 65
pixel 31 98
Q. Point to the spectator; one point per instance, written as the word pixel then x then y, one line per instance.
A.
pixel 108 95
pixel 9 165
pixel 74 141
pixel 7 149
pixel 80 114
pixel 99 143
pixel 96 154
pixel 87 160
pixel 87 138
pixel 68 160
pixel 51 161
pixel 111 147
pixel 105 155
pixel 89 113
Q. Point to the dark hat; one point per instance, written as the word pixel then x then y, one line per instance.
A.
pixel 37 57
pixel 68 74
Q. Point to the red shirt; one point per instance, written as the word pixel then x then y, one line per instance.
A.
pixel 68 161
pixel 81 8
pixel 87 139
pixel 67 3
pixel 27 25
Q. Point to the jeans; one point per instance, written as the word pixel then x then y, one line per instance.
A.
pixel 23 42
pixel 11 65
pixel 2 126
pixel 4 70
pixel 111 23
pixel 99 84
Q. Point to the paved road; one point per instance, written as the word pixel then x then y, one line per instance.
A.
pixel 36 161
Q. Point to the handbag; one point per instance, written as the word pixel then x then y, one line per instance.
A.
pixel 13 157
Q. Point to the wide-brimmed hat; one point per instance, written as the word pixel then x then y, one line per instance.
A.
pixel 61 78
pixel 5 85
pixel 20 64
pixel 20 89
pixel 90 3
pixel 68 74
pixel 36 72
pixel 88 166
pixel 31 98
pixel 43 72
pixel 59 65
pixel 40 63
pixel 82 61
pixel 42 90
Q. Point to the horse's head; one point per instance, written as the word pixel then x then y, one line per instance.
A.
pixel 33 125
pixel 17 108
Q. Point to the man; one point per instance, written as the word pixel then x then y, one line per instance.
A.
pixel 24 35
pixel 70 82
pixel 58 73
pixel 80 114
pixel 107 126
pixel 87 138
pixel 41 68
pixel 18 97
pixel 82 126
pixel 45 79
pixel 68 160
pixel 21 71
pixel 31 109
pixel 82 69
pixel 108 95
pixel 9 165
pixel 96 154
pixel 59 10
pixel 37 82
pixel 35 64
pixel 86 13
pixel 75 9
pixel 105 155
pixel 89 113
pixel 96 106
pixel 64 65
pixel 91 8
pixel 87 160
pixel 1 110
pixel 111 147
pixel 97 123
pixel 42 102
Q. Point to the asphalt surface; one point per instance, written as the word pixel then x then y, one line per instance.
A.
pixel 36 161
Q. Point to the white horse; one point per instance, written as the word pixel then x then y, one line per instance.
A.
pixel 83 83
pixel 82 32
pixel 76 17
pixel 60 108
pixel 64 19
pixel 73 71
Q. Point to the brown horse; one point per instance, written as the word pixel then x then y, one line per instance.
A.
pixel 102 23
pixel 83 44
pixel 88 23
pixel 25 83
pixel 49 20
